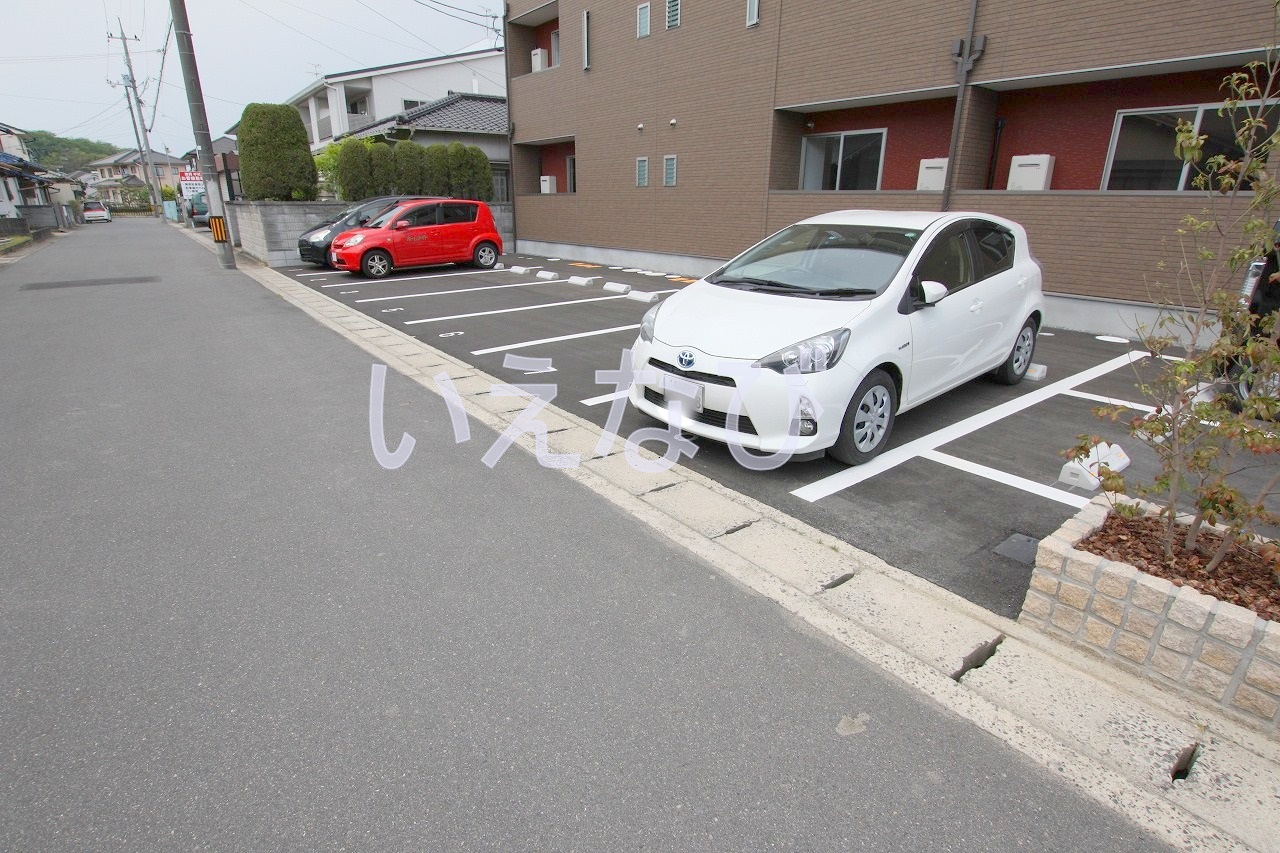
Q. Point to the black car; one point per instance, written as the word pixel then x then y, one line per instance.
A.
pixel 313 245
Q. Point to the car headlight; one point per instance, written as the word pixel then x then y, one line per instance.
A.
pixel 354 241
pixel 812 355
pixel 319 236
pixel 647 324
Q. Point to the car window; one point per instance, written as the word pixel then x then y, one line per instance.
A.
pixel 824 257
pixel 428 214
pixel 995 248
pixel 948 261
pixel 386 216
pixel 93 205
pixel 453 213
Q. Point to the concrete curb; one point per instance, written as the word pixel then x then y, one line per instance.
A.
pixel 1112 736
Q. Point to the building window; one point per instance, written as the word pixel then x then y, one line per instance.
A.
pixel 571 174
pixel 1142 156
pixel 501 185
pixel 673 14
pixel 412 105
pixel 842 161
pixel 642 171
pixel 753 12
pixel 586 41
pixel 642 20
pixel 669 170
pixel 555 48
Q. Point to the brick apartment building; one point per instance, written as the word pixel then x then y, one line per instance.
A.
pixel 671 133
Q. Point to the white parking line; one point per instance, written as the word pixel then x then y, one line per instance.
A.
pixel 523 344
pixel 308 274
pixel 522 308
pixel 1053 494
pixel 463 290
pixel 828 486
pixel 412 277
pixel 1110 401
pixel 604 398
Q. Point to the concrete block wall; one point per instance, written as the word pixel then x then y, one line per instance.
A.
pixel 268 230
pixel 1210 649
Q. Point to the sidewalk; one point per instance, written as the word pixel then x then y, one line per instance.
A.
pixel 1117 738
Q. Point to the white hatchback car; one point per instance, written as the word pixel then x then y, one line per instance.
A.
pixel 817 337
pixel 96 211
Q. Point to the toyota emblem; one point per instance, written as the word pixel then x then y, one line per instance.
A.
pixel 685 358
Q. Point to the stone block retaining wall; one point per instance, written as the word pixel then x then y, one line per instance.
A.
pixel 1174 635
pixel 268 230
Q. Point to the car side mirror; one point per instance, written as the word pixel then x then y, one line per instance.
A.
pixel 932 291
pixel 401 225
pixel 362 220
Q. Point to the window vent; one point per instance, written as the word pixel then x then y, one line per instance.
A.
pixel 642 171
pixel 669 170
pixel 673 14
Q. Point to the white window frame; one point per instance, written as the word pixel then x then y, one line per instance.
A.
pixel 405 103
pixel 673 6
pixel 586 40
pixel 1200 109
pixel 753 12
pixel 642 172
pixel 644 14
pixel 669 168
pixel 555 48
pixel 804 148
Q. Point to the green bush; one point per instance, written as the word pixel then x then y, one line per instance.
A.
pixel 408 167
pixel 354 170
pixel 384 168
pixel 168 193
pixel 275 157
pixel 435 171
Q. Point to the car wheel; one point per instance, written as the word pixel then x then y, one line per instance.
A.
pixel 485 256
pixel 1024 347
pixel 375 264
pixel 1244 384
pixel 868 421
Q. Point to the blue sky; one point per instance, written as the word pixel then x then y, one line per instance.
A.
pixel 55 69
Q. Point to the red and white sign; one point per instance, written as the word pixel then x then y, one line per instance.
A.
pixel 192 183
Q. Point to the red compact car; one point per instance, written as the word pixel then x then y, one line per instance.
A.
pixel 419 234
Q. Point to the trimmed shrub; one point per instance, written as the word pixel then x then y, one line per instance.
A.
pixel 354 170
pixel 275 157
pixel 384 168
pixel 435 170
pixel 408 158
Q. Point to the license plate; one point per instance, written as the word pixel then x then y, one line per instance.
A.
pixel 678 388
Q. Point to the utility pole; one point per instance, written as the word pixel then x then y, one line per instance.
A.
pixel 204 141
pixel 144 143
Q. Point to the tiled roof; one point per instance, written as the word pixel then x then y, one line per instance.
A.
pixel 132 156
pixel 457 113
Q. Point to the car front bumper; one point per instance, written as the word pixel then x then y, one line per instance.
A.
pixel 772 408
pixel 312 253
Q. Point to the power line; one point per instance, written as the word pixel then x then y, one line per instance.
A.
pixel 88 120
pixel 299 32
pixel 345 25
pixel 163 53
pixel 465 64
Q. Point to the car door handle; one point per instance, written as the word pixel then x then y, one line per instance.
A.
pixel 1022 281
pixel 976 306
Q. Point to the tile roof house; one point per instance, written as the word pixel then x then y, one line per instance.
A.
pixel 339 104
pixel 479 120
pixel 126 170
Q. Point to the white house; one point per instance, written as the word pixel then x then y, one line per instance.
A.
pixel 339 104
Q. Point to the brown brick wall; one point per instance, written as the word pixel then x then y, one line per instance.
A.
pixel 739 155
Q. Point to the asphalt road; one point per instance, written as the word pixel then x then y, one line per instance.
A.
pixel 225 626
pixel 963 512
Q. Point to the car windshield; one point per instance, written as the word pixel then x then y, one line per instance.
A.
pixel 386 216
pixel 821 260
